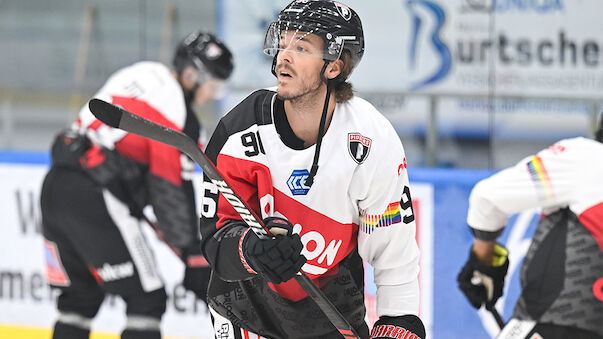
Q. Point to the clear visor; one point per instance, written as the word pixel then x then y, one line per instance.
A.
pixel 217 87
pixel 286 36
pixel 205 79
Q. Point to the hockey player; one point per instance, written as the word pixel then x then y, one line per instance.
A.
pixel 100 180
pixel 562 273
pixel 311 158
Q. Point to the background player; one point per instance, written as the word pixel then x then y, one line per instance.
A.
pixel 562 273
pixel 101 178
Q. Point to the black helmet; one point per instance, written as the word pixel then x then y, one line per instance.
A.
pixel 337 24
pixel 204 50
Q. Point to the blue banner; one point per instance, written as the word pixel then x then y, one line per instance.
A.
pixel 453 315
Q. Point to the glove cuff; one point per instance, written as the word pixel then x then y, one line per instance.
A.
pixel 192 256
pixel 243 244
pixel 196 260
pixel 277 225
pixel 500 255
pixel 406 326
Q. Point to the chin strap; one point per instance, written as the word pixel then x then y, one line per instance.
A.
pixel 321 127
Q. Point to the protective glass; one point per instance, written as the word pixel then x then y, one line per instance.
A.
pixel 204 77
pixel 291 37
pixel 202 73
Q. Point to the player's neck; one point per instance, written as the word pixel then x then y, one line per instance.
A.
pixel 304 115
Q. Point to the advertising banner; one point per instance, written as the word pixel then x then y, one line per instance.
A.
pixel 23 288
pixel 540 47
pixel 460 55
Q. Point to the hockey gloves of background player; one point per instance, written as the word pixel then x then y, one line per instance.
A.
pixel 406 326
pixel 277 258
pixel 196 273
pixel 481 283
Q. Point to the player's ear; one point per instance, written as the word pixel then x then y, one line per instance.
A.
pixel 334 69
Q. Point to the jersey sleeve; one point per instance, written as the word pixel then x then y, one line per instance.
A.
pixel 386 237
pixel 542 180
pixel 222 228
pixel 168 184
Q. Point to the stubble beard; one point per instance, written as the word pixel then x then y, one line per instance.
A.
pixel 307 90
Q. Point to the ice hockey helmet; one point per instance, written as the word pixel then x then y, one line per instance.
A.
pixel 204 50
pixel 337 24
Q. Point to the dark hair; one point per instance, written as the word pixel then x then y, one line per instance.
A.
pixel 343 89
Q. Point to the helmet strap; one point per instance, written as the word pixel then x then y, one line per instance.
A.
pixel 321 126
pixel 273 69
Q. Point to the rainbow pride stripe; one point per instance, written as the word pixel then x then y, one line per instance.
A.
pixel 368 222
pixel 541 178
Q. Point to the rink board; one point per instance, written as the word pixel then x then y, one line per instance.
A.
pixel 439 201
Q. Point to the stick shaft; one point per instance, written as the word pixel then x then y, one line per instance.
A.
pixel 497 317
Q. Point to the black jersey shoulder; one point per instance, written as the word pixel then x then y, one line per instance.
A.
pixel 253 110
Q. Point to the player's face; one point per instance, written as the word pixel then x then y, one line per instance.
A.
pixel 211 89
pixel 298 64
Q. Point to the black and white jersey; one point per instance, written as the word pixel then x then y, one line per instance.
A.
pixel 564 264
pixel 359 207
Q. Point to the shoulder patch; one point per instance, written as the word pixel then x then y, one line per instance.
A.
pixel 359 147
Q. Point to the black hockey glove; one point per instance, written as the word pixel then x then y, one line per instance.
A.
pixel 277 258
pixel 196 273
pixel 483 284
pixel 406 326
pixel 68 147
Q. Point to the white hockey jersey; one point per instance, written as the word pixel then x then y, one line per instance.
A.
pixel 562 272
pixel 148 89
pixel 359 204
pixel 567 174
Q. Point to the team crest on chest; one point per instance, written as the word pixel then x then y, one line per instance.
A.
pixel 359 147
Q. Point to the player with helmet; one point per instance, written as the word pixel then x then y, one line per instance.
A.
pixel 328 170
pixel 202 64
pixel 101 179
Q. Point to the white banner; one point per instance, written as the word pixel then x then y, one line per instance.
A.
pixel 23 289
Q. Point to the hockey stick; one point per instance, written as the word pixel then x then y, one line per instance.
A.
pixel 478 280
pixel 175 250
pixel 497 317
pixel 119 118
pixel 162 237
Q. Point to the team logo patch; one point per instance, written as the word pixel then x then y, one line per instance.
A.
pixel 223 332
pixel 297 182
pixel 55 272
pixel 358 146
pixel 344 10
